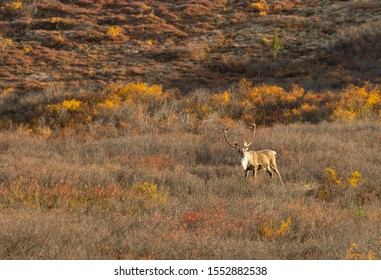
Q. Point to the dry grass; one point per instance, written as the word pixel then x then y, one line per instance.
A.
pixel 182 196
pixel 111 117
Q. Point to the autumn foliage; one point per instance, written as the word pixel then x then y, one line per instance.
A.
pixel 141 107
pixel 111 129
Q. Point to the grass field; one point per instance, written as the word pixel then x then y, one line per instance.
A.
pixel 112 115
pixel 183 195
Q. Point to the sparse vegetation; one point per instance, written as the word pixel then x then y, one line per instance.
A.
pixel 178 195
pixel 179 45
pixel 112 117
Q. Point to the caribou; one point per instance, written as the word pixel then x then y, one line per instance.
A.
pixel 255 160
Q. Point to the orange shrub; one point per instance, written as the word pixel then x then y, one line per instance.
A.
pixel 359 103
pixel 270 103
pixel 71 105
pixel 146 196
pixel 269 230
pixel 114 31
pixel 260 6
pixel 139 92
pixel 220 100
pixel 191 218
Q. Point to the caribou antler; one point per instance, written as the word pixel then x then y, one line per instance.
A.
pixel 226 139
pixel 251 141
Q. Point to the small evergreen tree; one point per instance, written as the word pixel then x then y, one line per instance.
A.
pixel 276 45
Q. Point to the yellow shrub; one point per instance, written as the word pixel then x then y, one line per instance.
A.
pixel 57 20
pixel 244 84
pixel 274 95
pixel 220 99
pixel 355 179
pixel 268 230
pixel 4 43
pixel 16 4
pixel 114 31
pixel 351 253
pixel 332 178
pixel 140 91
pixel 107 104
pixel 294 114
pixel 71 105
pixel 294 94
pixel 204 110
pixel 272 103
pixel 46 132
pixel 148 194
pixel 63 196
pixel 261 7
pixel 283 227
pixel 374 99
pixel 7 91
pixel 271 94
pixel 27 48
pixel 344 114
pixel 358 103
pixel 266 41
pixel 307 108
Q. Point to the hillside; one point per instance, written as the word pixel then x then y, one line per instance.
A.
pixel 188 44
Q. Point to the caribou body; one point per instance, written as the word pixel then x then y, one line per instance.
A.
pixel 255 160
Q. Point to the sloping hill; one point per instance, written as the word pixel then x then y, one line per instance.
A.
pixel 188 44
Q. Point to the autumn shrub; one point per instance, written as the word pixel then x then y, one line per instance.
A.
pixel 12 9
pixel 146 196
pixel 359 103
pixel 335 187
pixel 269 102
pixel 261 7
pixel 268 230
pixel 140 107
pixel 191 218
pixel 140 93
pixel 114 31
